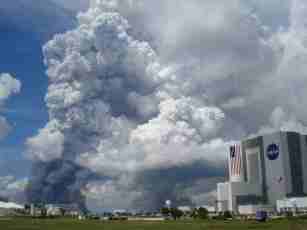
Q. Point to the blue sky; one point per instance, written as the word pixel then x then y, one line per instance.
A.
pixel 21 56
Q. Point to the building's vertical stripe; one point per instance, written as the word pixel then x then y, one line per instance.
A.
pixel 296 163
pixel 286 163
pixel 304 162
pixel 228 168
pixel 239 163
pixel 244 159
pixel 263 170
pixel 256 143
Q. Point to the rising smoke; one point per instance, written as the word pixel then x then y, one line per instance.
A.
pixel 145 96
pixel 8 87
pixel 10 188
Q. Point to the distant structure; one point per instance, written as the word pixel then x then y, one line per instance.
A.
pixel 32 210
pixel 266 173
pixel 211 209
pixel 168 204
pixel 71 210
pixel 9 208
pixel 56 210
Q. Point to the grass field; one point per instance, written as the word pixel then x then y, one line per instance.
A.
pixel 61 224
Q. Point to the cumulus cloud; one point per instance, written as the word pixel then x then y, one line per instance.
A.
pixel 13 189
pixel 8 87
pixel 142 90
pixel 5 127
pixel 281 120
pixel 47 145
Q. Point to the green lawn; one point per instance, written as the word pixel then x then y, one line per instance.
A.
pixel 60 224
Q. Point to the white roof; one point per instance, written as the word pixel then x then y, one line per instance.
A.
pixel 185 208
pixel 291 202
pixel 208 207
pixel 120 211
pixel 9 205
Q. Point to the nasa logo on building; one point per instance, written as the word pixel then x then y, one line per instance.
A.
pixel 273 152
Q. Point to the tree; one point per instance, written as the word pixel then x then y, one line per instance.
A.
pixel 27 207
pixel 227 214
pixel 194 213
pixel 176 213
pixel 202 213
pixel 165 211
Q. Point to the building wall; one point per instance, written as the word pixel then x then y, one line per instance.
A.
pixel 286 162
pixel 292 203
pixel 239 190
pixel 222 197
pixel 253 164
pixel 251 146
pixel 222 191
pixel 6 212
pixel 252 209
pixel 296 164
pixel 223 206
pixel 275 183
pixel 304 156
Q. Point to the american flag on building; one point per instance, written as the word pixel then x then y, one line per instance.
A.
pixel 235 160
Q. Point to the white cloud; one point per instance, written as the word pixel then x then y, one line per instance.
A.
pixel 8 87
pixel 5 127
pixel 47 145
pixel 210 73
pixel 13 189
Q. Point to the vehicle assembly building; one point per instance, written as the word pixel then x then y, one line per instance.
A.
pixel 264 173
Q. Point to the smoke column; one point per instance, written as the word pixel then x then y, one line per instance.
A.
pixel 139 112
pixel 9 86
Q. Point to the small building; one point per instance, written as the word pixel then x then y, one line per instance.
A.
pixel 9 208
pixel 222 197
pixel 185 209
pixel 294 205
pixel 53 210
pixel 63 210
pixel 253 209
pixel 120 212
pixel 211 209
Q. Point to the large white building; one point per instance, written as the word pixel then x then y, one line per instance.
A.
pixel 9 208
pixel 264 171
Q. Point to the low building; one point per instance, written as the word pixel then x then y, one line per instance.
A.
pixel 120 212
pixel 9 208
pixel 53 210
pixel 295 205
pixel 63 210
pixel 222 197
pixel 150 219
pixel 185 209
pixel 252 209
pixel 210 209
